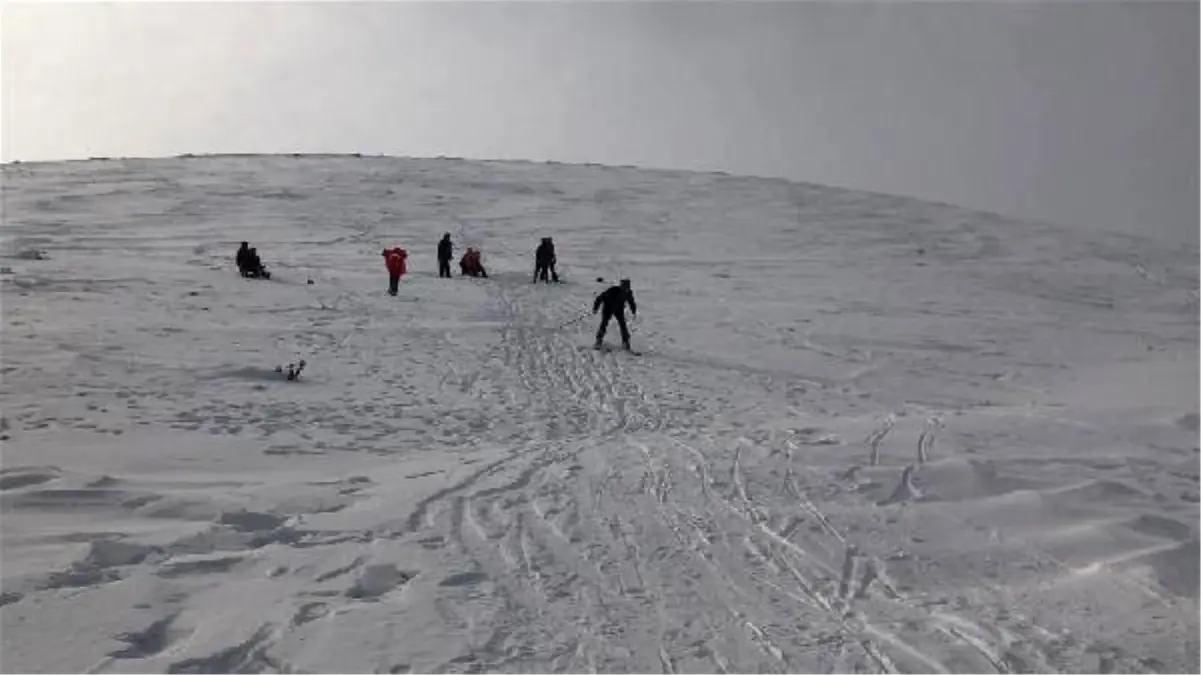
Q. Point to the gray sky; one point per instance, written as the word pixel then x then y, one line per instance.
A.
pixel 1084 113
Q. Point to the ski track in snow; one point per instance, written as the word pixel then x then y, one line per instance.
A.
pixel 835 455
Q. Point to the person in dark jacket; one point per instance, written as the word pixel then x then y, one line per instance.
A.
pixel 254 265
pixel 445 253
pixel 544 261
pixel 243 259
pixel 613 301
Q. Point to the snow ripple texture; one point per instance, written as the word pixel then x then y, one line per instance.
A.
pixel 867 434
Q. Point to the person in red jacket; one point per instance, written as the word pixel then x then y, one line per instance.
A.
pixel 471 266
pixel 395 260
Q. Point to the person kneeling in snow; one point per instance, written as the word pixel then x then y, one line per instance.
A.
pixel 394 259
pixel 254 265
pixel 614 301
pixel 470 264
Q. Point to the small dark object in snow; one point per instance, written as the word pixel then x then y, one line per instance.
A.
pixel 310 282
pixel 921 251
pixel 293 371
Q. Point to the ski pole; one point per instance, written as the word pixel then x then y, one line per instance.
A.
pixel 575 320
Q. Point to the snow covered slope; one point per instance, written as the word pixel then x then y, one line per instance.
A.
pixel 867 433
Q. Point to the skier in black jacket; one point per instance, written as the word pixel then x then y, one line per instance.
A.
pixel 614 301
pixel 445 253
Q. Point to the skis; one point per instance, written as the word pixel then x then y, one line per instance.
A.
pixel 606 349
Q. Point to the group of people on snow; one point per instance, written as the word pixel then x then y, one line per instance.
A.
pixel 611 302
pixel 249 263
pixel 470 265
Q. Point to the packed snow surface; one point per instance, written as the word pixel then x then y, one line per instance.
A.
pixel 866 433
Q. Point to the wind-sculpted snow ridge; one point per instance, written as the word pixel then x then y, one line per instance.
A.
pixel 865 434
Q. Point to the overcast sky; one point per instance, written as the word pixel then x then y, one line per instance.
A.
pixel 1084 113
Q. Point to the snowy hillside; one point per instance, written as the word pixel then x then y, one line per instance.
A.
pixel 866 433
